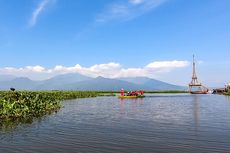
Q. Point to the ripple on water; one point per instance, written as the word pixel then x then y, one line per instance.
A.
pixel 157 123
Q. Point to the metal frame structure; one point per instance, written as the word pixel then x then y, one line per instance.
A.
pixel 195 82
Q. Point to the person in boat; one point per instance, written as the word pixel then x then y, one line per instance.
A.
pixel 141 92
pixel 122 92
pixel 133 93
pixel 136 93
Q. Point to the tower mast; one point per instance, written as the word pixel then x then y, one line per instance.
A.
pixel 195 83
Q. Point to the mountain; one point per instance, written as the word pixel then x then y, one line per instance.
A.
pixel 152 84
pixel 21 83
pixel 61 80
pixel 76 81
pixel 6 77
pixel 137 80
pixel 101 83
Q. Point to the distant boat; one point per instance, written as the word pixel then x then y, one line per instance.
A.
pixel 131 97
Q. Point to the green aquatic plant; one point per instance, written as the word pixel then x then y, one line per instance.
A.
pixel 16 105
pixel 228 93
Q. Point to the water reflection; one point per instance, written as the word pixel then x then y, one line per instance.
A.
pixel 161 123
pixel 228 98
pixel 122 106
pixel 9 125
pixel 196 110
pixel 134 103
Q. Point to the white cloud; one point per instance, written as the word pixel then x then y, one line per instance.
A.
pixel 109 70
pixel 35 68
pixel 127 10
pixel 132 72
pixel 39 9
pixel 27 69
pixel 166 66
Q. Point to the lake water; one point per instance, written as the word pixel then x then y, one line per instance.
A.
pixel 158 123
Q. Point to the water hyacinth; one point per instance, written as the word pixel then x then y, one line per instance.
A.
pixel 28 104
pixel 228 93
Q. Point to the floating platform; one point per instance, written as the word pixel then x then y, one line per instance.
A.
pixel 130 97
pixel 198 92
pixel 220 91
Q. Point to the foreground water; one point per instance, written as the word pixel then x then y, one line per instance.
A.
pixel 157 123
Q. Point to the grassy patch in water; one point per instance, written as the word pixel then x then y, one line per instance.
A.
pixel 19 105
pixel 227 94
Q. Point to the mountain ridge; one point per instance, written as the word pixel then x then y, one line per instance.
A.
pixel 76 81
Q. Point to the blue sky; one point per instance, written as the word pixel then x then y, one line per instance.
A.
pixel 116 38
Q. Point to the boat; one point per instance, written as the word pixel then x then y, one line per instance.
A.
pixel 131 97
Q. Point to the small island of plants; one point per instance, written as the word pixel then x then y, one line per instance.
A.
pixel 16 105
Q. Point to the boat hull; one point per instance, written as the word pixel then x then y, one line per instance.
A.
pixel 130 97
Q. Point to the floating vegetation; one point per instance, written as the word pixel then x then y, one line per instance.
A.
pixel 25 105
pixel 227 94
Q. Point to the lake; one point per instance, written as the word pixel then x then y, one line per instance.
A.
pixel 163 123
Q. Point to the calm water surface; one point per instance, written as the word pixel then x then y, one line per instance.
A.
pixel 157 123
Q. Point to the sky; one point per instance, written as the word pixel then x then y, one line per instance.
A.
pixel 116 38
